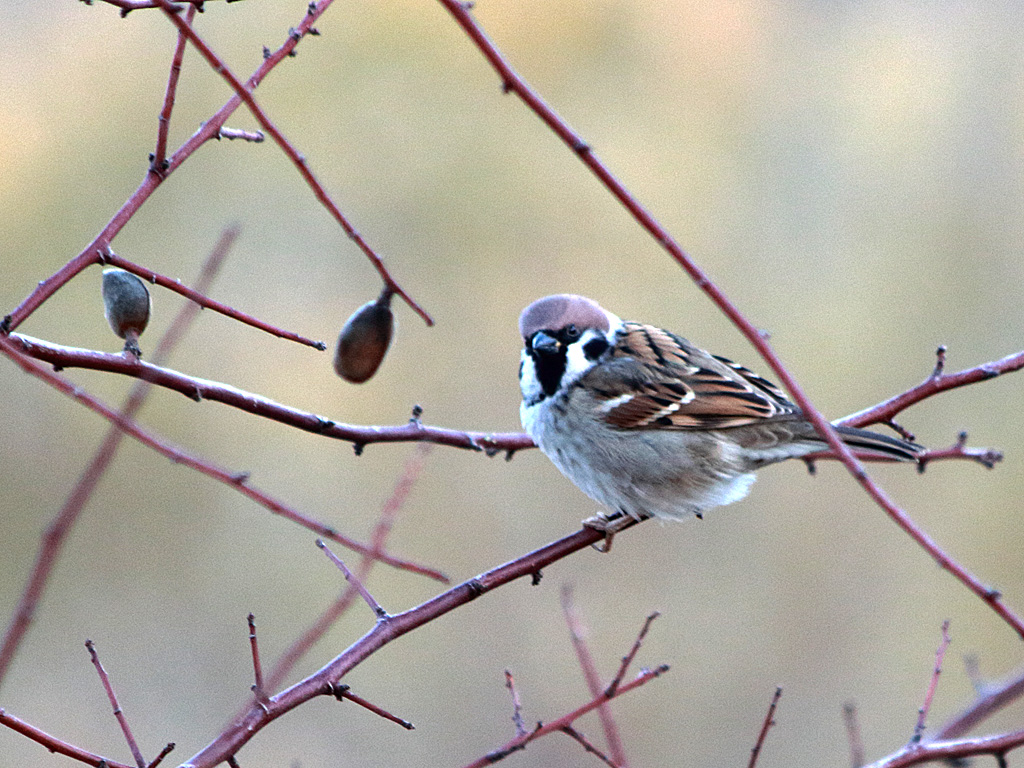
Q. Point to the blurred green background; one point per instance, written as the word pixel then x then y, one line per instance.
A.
pixel 849 173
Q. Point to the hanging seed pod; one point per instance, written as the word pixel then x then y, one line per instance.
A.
pixel 364 340
pixel 127 305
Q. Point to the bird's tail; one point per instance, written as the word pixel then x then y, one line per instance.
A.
pixel 866 440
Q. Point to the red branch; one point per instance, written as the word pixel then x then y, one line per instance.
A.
pixel 933 684
pixel 512 82
pixel 57 531
pixel 566 720
pixel 577 633
pixel 233 479
pixel 917 754
pixel 933 385
pixel 53 744
pixel 244 92
pixel 383 632
pixel 990 700
pixel 410 473
pixel 769 721
pixel 178 287
pixel 94 252
pixel 122 721
pixel 164 121
pixel 204 389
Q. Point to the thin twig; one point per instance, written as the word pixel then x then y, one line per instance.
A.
pixel 628 658
pixel 164 121
pixel 176 285
pixel 232 738
pixel 352 579
pixel 163 753
pixel 122 721
pixel 922 713
pixel 203 389
pixel 257 668
pixel 919 754
pixel 769 721
pixel 517 707
pixel 582 740
pixel 557 725
pixel 53 744
pixel 577 633
pixel 233 134
pixel 341 692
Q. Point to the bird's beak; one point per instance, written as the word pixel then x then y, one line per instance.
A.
pixel 544 344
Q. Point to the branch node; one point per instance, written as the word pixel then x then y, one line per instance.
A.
pixel 475 587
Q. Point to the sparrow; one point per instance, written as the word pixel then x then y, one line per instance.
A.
pixel 649 425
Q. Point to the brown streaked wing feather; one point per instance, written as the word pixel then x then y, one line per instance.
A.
pixel 657 380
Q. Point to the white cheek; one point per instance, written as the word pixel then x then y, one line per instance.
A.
pixel 528 383
pixel 576 362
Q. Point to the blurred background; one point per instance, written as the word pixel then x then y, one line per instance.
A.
pixel 849 173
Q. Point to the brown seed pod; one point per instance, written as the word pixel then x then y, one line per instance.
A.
pixel 127 305
pixel 364 340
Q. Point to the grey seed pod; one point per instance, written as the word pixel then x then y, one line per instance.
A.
pixel 364 340
pixel 127 304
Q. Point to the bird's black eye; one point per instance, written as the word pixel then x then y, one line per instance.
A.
pixel 572 332
pixel 594 348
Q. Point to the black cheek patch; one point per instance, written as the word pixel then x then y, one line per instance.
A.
pixel 594 348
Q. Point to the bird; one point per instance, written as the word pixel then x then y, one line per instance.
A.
pixel 650 425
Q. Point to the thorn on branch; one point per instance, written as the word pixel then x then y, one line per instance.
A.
pixel 940 361
pixel 341 691
pixel 901 431
pixel 475 588
pixel 266 53
pixel 163 753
